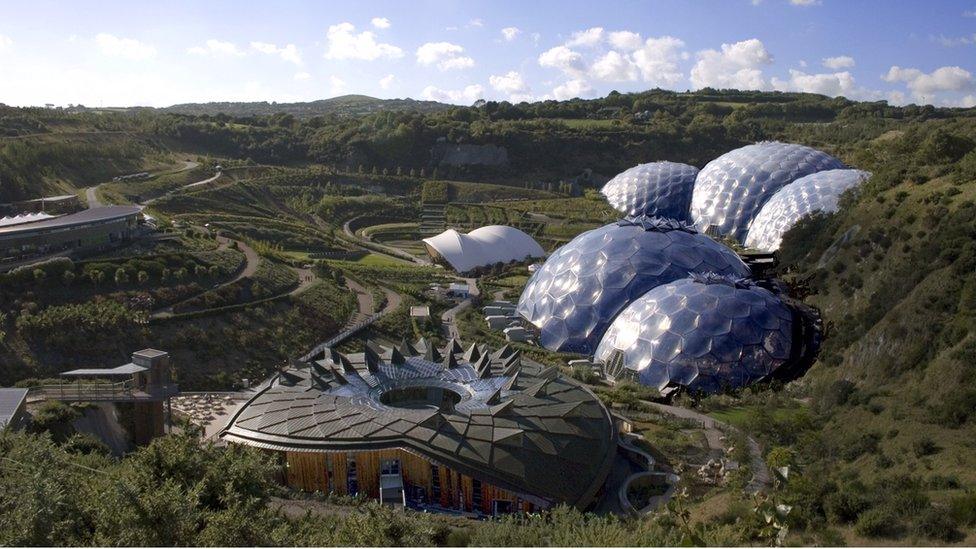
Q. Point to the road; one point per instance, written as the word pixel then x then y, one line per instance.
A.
pixel 91 193
pixel 92 197
pixel 447 317
pixel 761 480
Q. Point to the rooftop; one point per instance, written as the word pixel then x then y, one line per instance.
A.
pixel 491 415
pixel 10 401
pixel 85 216
pixel 124 370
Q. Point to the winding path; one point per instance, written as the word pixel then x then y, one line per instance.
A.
pixel 251 261
pixel 761 479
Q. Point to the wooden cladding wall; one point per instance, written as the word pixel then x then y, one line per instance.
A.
pixel 330 472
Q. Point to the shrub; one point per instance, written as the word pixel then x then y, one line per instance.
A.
pixel 936 524
pixel 876 523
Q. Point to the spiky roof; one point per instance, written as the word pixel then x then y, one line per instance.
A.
pixel 518 425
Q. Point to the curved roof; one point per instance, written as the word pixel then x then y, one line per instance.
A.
pixel 815 192
pixel 706 333
pixel 484 246
pixel 661 189
pixel 91 215
pixel 730 190
pixel 583 285
pixel 516 425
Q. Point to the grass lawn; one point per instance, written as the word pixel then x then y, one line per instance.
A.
pixel 378 260
pixel 740 416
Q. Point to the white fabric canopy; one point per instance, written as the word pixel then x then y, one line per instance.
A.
pixel 483 246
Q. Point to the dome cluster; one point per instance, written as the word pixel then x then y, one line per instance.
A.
pixel 661 189
pixel 582 287
pixel 815 192
pixel 731 189
pixel 706 333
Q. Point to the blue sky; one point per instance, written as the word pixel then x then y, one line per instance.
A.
pixel 111 53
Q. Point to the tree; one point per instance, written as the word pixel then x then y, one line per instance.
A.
pixel 142 277
pixel 121 277
pixel 67 278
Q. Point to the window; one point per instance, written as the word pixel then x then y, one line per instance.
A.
pixel 352 481
pixel 476 494
pixel 435 483
pixel 390 467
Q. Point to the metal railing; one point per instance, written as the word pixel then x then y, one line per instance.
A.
pixel 105 391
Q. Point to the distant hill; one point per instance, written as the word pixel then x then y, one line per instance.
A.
pixel 345 105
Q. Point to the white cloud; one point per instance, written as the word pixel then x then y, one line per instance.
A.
pixel 738 65
pixel 839 62
pixel 536 37
pixel 466 96
pixel 658 60
pixel 571 89
pixel 564 59
pixel 126 48
pixel 445 55
pixel 338 85
pixel 380 22
pixel 288 53
pixel 614 67
pixel 476 23
pixel 344 43
pixel 387 81
pixel 510 83
pixel 510 33
pixel 969 13
pixel 589 37
pixel 805 2
pixel 5 43
pixel 968 101
pixel 924 86
pixel 216 48
pixel 625 40
pixel 951 42
pixel 300 76
pixel 831 84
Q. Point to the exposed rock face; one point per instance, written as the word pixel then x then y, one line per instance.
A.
pixel 447 154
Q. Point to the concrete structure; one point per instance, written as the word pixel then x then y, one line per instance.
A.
pixel 517 334
pixel 482 247
pixel 91 229
pixel 498 322
pixel 499 310
pixel 421 312
pixel 146 383
pixel 448 428
pixel 13 403
pixel 458 289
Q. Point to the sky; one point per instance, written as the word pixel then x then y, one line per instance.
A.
pixel 137 52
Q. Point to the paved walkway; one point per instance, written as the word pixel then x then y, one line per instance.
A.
pixel 714 431
pixel 380 248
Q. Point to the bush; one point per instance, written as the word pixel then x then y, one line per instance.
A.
pixel 936 524
pixel 877 523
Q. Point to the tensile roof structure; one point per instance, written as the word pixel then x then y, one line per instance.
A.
pixel 482 246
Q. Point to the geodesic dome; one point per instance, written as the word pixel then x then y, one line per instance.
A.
pixel 705 333
pixel 583 285
pixel 815 192
pixel 661 189
pixel 730 190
